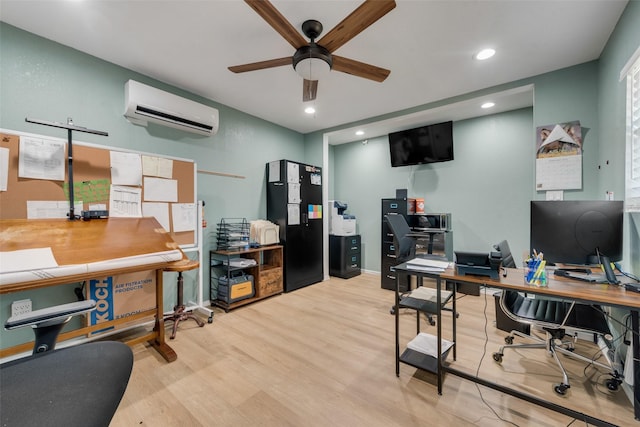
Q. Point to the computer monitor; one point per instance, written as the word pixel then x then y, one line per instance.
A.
pixel 577 232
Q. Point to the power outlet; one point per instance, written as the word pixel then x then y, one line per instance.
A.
pixel 20 307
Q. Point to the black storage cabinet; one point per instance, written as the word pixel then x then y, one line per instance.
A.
pixel 388 256
pixel 344 256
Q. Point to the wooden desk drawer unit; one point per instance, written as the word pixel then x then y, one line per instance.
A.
pixel 270 282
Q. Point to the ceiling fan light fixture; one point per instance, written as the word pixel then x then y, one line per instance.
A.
pixel 312 62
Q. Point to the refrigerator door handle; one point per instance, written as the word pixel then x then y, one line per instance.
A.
pixel 305 219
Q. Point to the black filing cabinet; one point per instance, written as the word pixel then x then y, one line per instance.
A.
pixel 435 239
pixel 388 255
pixel 344 256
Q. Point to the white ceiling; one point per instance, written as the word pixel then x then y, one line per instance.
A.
pixel 427 44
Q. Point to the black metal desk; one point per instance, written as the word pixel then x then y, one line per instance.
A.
pixel 588 293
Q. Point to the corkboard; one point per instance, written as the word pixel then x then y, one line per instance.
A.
pixel 90 163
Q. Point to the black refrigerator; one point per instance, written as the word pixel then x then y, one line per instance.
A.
pixel 294 202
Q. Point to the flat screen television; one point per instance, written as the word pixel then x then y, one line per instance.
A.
pixel 577 232
pixel 426 144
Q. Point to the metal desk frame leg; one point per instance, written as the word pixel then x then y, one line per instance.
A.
pixel 440 373
pixel 397 315
pixel 635 324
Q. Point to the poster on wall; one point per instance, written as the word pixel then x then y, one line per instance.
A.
pixel 559 156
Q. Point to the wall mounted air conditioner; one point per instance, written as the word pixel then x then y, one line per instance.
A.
pixel 147 104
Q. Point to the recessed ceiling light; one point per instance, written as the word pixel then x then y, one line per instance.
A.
pixel 309 110
pixel 485 54
pixel 359 132
pixel 488 105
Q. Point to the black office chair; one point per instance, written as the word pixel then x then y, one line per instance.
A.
pixel 75 386
pixel 553 316
pixel 405 250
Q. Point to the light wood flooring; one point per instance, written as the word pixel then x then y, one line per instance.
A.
pixel 325 356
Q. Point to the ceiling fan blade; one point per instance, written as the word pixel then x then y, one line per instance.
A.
pixel 366 14
pixel 309 90
pixel 359 69
pixel 261 65
pixel 278 22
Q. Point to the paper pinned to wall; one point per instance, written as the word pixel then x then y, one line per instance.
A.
pixel 559 156
pixel 160 190
pixel 4 168
pixel 184 216
pixel 126 168
pixel 157 166
pixel 125 202
pixel 41 158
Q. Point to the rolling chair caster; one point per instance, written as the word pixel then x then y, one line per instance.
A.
pixel 613 384
pixel 561 389
pixel 497 357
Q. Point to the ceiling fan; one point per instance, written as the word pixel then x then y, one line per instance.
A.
pixel 312 59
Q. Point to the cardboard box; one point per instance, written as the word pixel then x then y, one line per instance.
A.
pixel 121 296
pixel 411 206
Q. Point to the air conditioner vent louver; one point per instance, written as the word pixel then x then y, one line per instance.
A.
pixel 147 104
pixel 148 112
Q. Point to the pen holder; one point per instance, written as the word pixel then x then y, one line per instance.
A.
pixel 535 274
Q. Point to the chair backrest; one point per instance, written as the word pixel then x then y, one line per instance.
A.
pixel 548 312
pixel 405 245
pixel 507 257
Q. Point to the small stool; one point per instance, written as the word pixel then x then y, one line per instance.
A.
pixel 179 312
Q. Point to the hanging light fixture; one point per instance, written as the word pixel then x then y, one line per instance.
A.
pixel 312 62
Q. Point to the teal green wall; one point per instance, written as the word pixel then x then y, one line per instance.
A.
pixel 486 188
pixel 44 80
pixel 624 41
pixel 567 95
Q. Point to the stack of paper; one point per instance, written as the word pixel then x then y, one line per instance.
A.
pixel 425 264
pixel 428 294
pixel 428 344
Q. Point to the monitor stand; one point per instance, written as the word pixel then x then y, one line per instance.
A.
pixel 608 271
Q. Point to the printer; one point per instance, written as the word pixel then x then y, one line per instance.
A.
pixel 340 223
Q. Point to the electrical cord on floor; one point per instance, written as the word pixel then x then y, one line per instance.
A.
pixel 625 325
pixel 484 352
pixel 616 346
